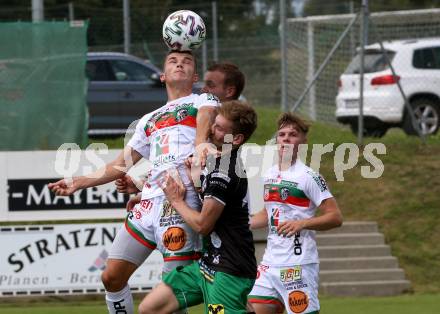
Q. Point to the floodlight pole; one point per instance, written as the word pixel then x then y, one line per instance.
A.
pixel 364 41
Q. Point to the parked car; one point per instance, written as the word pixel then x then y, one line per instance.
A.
pixel 417 66
pixel 122 88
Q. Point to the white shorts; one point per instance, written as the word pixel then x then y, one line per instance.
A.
pixel 294 288
pixel 155 224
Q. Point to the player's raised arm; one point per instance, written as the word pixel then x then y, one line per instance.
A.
pixel 205 117
pixel 110 172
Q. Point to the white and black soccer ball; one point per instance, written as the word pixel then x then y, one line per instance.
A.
pixel 184 30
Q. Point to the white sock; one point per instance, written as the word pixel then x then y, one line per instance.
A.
pixel 120 302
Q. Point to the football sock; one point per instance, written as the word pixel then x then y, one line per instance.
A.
pixel 120 302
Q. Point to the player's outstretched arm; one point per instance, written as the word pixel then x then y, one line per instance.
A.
pixel 205 117
pixel 110 172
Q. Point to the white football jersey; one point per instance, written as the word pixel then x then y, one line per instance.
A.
pixel 291 195
pixel 166 138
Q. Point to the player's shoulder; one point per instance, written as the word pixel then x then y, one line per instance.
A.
pixel 207 98
pixel 313 176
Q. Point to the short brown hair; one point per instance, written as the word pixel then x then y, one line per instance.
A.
pixel 288 118
pixel 242 115
pixel 233 76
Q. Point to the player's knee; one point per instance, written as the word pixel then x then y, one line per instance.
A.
pixel 112 281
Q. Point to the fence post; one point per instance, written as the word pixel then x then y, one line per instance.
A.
pixel 214 31
pixel 363 34
pixel 71 11
pixel 126 9
pixel 283 47
pixel 311 69
pixel 37 11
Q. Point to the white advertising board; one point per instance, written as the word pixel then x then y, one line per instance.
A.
pixel 24 195
pixel 63 259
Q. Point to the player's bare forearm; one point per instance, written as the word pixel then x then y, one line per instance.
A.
pixel 113 170
pixel 330 218
pixel 259 220
pixel 110 172
pixel 191 216
pixel 205 116
pixel 202 222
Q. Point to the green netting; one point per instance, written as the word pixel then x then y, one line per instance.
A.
pixel 42 85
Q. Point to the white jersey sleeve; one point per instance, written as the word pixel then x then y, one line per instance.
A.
pixel 316 188
pixel 207 100
pixel 140 142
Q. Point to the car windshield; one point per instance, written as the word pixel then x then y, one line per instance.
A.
pixel 374 62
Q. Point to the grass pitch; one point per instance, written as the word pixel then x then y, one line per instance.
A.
pixel 406 304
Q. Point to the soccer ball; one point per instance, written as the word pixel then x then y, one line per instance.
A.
pixel 183 30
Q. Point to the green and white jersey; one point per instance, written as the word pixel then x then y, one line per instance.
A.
pixel 166 138
pixel 292 195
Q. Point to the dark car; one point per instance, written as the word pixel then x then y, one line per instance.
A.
pixel 122 88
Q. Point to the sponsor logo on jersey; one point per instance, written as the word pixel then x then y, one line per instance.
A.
pixel 291 274
pixel 216 309
pixel 221 175
pixel 168 210
pixel 261 269
pixel 162 144
pixel 297 249
pixel 284 193
pixel 298 301
pixel 287 194
pixel 183 114
pixel 169 216
pixel 289 183
pixel 274 219
pixel 319 180
pixel 174 238
pixel 212 97
pixel 266 193
pixel 146 206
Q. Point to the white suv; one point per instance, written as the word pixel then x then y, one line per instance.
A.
pixel 417 66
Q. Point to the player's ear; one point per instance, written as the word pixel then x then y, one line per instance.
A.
pixel 196 77
pixel 162 77
pixel 230 91
pixel 238 139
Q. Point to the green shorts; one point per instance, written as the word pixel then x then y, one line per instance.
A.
pixel 225 294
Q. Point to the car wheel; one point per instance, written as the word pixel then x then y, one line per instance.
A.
pixel 427 114
pixel 377 131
